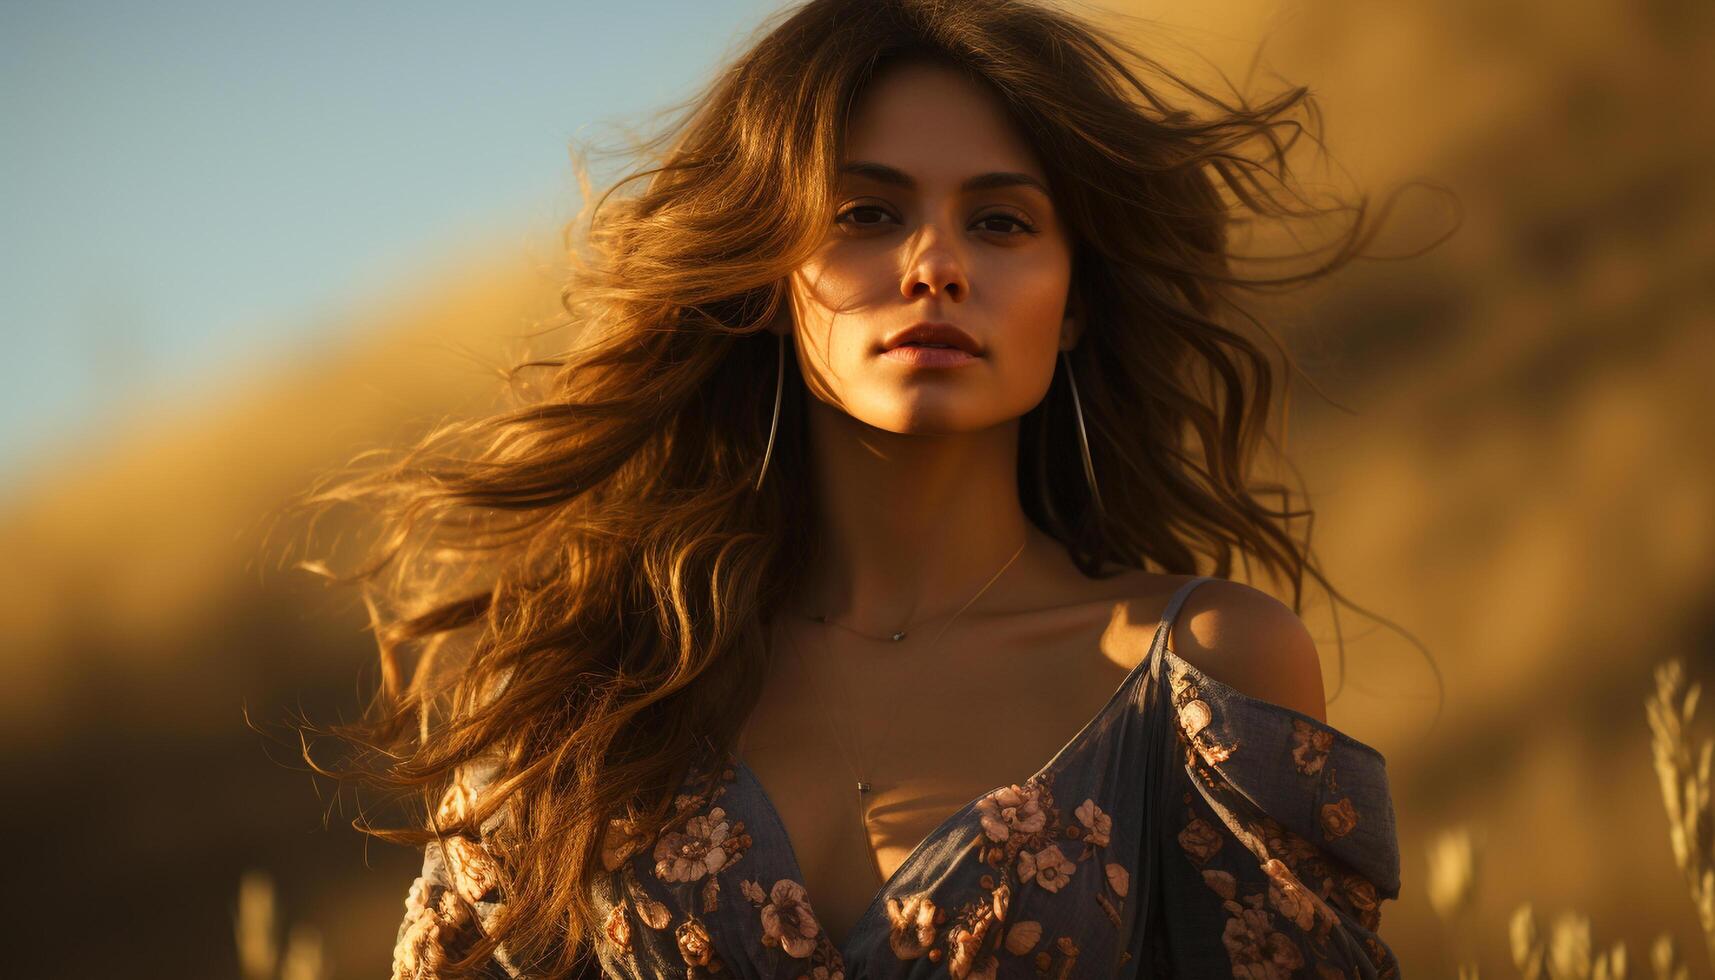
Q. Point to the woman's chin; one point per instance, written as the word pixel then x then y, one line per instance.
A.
pixel 921 419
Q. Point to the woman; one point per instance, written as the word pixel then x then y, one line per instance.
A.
pixel 903 418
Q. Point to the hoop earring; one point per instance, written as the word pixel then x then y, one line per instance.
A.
pixel 1083 437
pixel 779 386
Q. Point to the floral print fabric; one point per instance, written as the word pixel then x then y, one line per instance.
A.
pixel 1188 831
pixel 458 889
pixel 1285 840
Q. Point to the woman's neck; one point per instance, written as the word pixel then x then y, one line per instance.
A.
pixel 912 526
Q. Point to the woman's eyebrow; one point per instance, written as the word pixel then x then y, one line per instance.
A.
pixel 885 174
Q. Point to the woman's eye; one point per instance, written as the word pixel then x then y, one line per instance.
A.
pixel 861 208
pixel 1023 225
pixel 880 216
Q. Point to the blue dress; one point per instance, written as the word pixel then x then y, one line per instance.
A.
pixel 1188 830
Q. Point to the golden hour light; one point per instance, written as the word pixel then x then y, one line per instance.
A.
pixel 860 488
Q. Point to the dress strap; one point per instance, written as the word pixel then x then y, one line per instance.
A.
pixel 1157 757
pixel 1158 645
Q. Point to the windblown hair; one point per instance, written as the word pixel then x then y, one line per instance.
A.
pixel 598 554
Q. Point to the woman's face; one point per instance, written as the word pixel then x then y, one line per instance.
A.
pixel 914 241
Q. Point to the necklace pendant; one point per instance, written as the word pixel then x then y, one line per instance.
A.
pixel 898 636
pixel 863 787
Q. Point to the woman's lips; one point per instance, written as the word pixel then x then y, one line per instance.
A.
pixel 929 357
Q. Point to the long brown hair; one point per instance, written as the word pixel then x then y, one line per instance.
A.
pixel 598 557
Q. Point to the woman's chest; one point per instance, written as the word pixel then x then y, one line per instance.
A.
pixel 927 736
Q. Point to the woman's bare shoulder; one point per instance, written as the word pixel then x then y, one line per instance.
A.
pixel 1250 641
pixel 1236 633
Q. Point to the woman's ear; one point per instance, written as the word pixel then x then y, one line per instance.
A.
pixel 1071 329
pixel 781 324
pixel 1072 325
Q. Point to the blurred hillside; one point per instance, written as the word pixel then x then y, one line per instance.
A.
pixel 1523 481
pixel 142 624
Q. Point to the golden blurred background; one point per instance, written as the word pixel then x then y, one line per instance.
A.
pixel 1510 459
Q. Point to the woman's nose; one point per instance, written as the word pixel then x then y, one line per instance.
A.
pixel 935 270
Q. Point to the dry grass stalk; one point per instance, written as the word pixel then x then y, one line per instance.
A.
pixel 1684 776
pixel 1685 788
pixel 1664 957
pixel 1452 871
pixel 303 955
pixel 258 951
pixel 1452 880
pixel 256 927
pixel 1567 953
pixel 1528 954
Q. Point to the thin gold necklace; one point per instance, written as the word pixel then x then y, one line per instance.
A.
pixel 864 785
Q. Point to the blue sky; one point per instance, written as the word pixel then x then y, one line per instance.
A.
pixel 185 186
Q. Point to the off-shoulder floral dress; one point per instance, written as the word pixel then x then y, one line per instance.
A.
pixel 1188 830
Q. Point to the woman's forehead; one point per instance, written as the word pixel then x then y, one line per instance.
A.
pixel 937 125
